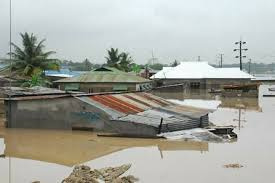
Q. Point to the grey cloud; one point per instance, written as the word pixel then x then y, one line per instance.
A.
pixel 177 29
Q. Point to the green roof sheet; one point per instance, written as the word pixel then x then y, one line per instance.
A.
pixel 105 75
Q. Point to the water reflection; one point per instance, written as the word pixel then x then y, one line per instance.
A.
pixel 70 148
pixel 47 156
pixel 226 102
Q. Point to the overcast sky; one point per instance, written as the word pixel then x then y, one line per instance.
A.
pixel 173 29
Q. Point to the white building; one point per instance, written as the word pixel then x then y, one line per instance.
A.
pixel 201 75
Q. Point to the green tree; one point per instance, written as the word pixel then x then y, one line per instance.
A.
pixel 135 68
pixel 36 80
pixel 125 62
pixel 121 61
pixel 113 58
pixel 31 58
pixel 175 63
pixel 88 65
pixel 157 66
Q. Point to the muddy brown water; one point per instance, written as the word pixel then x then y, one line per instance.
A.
pixel 49 156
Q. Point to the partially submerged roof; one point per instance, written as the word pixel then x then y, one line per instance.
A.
pixel 37 90
pixel 200 70
pixel 145 108
pixel 105 75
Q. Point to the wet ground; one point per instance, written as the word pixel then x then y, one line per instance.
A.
pixel 49 156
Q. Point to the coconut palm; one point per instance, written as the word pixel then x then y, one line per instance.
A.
pixel 125 62
pixel 31 58
pixel 113 58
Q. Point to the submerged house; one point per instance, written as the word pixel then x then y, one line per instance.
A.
pixel 136 113
pixel 201 75
pixel 104 79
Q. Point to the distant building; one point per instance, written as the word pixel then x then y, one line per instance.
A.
pixel 147 72
pixel 104 79
pixel 138 114
pixel 54 75
pixel 201 75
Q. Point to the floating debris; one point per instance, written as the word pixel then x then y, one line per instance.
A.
pixel 84 174
pixel 234 165
pixel 197 134
pixel 213 134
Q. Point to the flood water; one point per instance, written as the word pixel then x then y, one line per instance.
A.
pixel 49 156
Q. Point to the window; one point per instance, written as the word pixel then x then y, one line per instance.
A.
pixel 91 90
pixel 195 85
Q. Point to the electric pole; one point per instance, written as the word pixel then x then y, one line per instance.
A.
pixel 153 59
pixel 221 57
pixel 240 49
pixel 249 66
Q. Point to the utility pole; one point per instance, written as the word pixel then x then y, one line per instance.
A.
pixel 153 59
pixel 240 49
pixel 10 85
pixel 249 66
pixel 221 57
pixel 199 58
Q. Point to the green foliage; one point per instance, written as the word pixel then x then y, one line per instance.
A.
pixel 157 66
pixel 174 64
pixel 31 58
pixel 36 80
pixel 113 58
pixel 125 62
pixel 121 61
pixel 135 68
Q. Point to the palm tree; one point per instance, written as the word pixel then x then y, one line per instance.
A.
pixel 125 61
pixel 113 58
pixel 31 58
pixel 175 63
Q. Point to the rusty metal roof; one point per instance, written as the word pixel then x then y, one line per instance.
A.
pixel 130 103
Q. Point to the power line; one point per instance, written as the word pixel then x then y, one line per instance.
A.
pixel 240 49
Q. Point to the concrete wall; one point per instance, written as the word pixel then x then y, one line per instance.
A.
pixel 219 83
pixel 67 113
pixel 59 113
pixel 205 83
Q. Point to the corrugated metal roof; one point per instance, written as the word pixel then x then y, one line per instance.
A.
pixel 39 97
pixel 130 103
pixel 145 108
pixel 200 70
pixel 106 75
pixel 36 90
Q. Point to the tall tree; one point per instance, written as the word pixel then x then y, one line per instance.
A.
pixel 113 58
pixel 125 62
pixel 31 58
pixel 175 63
